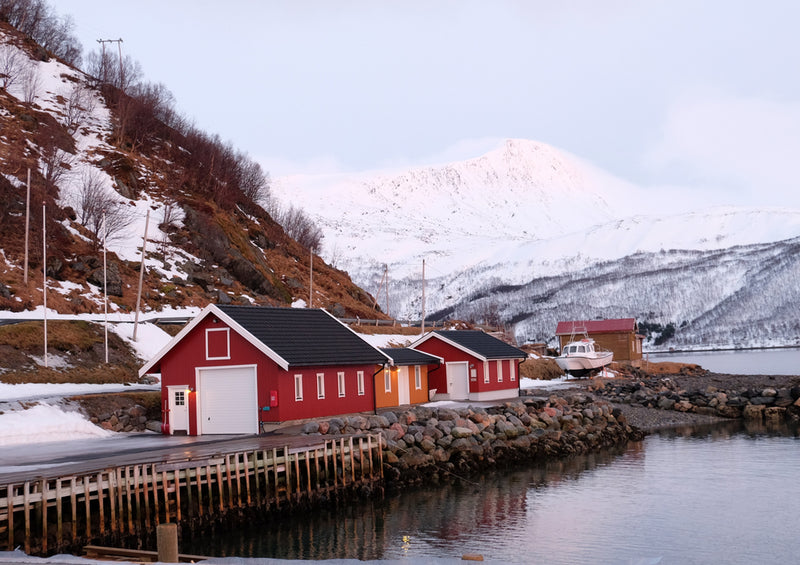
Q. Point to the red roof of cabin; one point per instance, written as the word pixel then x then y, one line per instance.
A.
pixel 596 326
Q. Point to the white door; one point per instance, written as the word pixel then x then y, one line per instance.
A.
pixel 227 400
pixel 178 409
pixel 458 381
pixel 403 392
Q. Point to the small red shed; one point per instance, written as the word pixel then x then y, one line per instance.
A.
pixel 233 368
pixel 478 366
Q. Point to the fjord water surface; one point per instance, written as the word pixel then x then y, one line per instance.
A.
pixel 722 494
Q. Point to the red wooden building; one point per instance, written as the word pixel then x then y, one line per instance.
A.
pixel 233 368
pixel 478 366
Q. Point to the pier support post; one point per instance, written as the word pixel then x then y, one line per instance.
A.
pixel 167 540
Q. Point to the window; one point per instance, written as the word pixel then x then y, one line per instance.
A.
pixel 320 385
pixel 341 383
pixel 511 375
pixel 298 387
pixel 387 380
pixel 486 372
pixel 499 371
pixel 218 343
pixel 360 378
pixel 417 377
pixel 180 398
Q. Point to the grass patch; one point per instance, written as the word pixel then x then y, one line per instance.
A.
pixel 99 374
pixel 62 335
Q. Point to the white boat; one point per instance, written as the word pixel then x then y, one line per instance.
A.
pixel 581 357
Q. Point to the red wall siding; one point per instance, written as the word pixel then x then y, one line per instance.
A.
pixel 179 364
pixel 313 407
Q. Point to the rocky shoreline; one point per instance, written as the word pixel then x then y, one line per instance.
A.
pixel 654 402
pixel 432 444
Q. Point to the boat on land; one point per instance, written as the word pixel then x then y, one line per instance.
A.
pixel 582 357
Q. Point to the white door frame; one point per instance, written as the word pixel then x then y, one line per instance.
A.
pixel 403 388
pixel 457 382
pixel 178 413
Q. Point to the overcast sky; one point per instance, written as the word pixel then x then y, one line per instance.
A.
pixel 703 95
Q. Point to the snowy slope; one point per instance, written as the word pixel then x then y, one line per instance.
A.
pixel 459 213
pixel 522 212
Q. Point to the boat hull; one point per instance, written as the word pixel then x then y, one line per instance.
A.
pixel 577 364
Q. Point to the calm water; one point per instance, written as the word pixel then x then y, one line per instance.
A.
pixel 749 362
pixel 720 495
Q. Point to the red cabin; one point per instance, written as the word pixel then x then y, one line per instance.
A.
pixel 478 366
pixel 234 368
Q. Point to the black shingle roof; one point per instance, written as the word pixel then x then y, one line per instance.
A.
pixel 304 337
pixel 482 343
pixel 407 356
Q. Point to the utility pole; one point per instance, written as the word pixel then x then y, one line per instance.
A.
pixel 105 286
pixel 119 48
pixel 423 296
pixel 386 276
pixel 141 275
pixel 311 278
pixel 27 227
pixel 44 279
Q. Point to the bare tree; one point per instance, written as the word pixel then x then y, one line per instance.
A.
pixel 11 65
pixel 253 181
pixel 56 162
pixel 37 19
pixel 168 225
pixel 299 226
pixel 31 83
pixel 80 104
pixel 93 199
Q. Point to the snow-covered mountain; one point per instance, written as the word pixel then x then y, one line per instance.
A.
pixel 528 216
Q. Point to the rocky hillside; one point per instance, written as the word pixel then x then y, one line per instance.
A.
pixel 97 143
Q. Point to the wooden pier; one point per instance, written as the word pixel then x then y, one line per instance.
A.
pixel 46 515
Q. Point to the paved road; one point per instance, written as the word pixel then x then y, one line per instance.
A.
pixel 21 462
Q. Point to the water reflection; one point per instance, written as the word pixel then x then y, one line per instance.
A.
pixel 714 494
pixel 434 521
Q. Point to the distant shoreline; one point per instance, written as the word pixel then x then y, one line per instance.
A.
pixel 721 349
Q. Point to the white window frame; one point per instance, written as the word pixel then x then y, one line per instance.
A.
pixel 387 379
pixel 499 370
pixel 228 341
pixel 298 388
pixel 417 377
pixel 341 383
pixel 320 386
pixel 360 379
pixel 486 373
pixel 511 373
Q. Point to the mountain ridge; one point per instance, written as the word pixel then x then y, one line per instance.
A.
pixel 491 259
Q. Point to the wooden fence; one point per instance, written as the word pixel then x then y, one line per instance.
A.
pixel 46 515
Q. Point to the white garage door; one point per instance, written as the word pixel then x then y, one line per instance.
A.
pixel 228 401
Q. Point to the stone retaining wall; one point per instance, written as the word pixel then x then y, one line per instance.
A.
pixel 429 443
pixel 763 404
